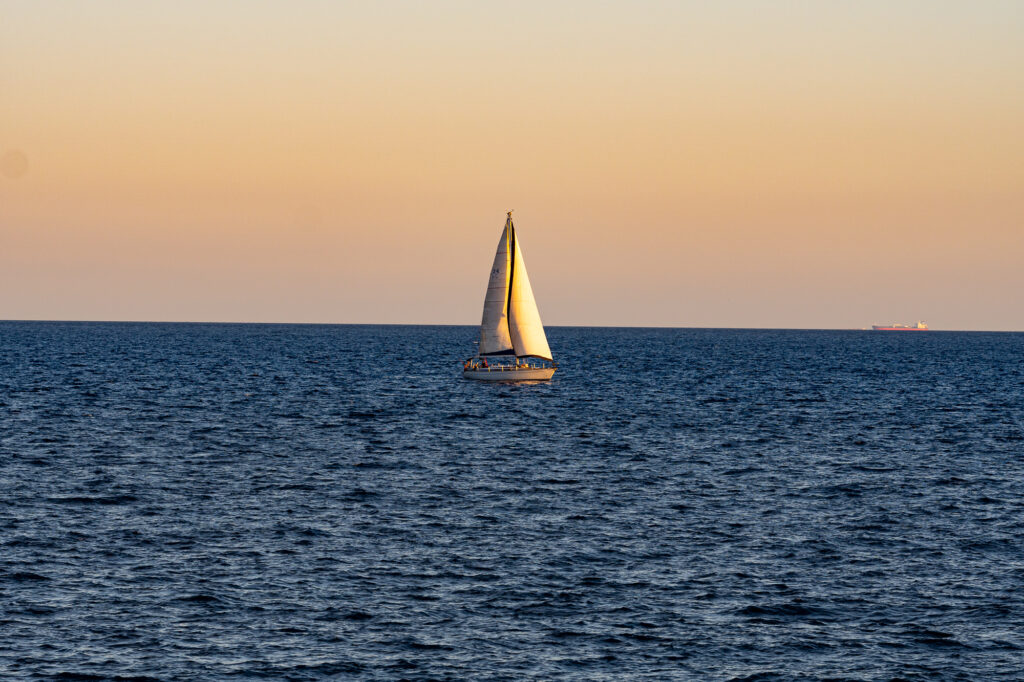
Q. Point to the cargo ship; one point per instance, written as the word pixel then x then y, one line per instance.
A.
pixel 919 327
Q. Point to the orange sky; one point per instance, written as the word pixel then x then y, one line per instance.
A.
pixel 752 164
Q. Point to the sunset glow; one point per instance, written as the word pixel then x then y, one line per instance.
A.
pixel 750 164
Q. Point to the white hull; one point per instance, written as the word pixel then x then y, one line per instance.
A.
pixel 509 373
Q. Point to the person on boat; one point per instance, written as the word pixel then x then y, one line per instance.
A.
pixel 483 363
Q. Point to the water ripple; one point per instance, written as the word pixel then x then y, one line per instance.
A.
pixel 206 502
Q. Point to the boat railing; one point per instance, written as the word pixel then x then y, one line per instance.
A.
pixel 503 368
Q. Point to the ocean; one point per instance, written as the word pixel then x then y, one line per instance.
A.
pixel 310 502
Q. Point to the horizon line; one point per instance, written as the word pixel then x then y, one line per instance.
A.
pixel 436 324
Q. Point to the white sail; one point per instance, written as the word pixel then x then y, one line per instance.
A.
pixel 524 323
pixel 494 331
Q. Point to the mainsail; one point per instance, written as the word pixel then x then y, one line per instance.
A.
pixel 511 322
pixel 494 336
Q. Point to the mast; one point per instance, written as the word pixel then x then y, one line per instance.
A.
pixel 511 272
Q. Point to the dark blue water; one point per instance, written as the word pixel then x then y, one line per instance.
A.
pixel 193 502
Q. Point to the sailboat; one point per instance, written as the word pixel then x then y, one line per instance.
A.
pixel 512 345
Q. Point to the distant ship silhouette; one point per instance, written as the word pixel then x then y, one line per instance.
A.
pixel 919 327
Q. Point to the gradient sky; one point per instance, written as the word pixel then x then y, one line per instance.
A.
pixel 733 164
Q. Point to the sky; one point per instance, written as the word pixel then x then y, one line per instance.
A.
pixel 690 164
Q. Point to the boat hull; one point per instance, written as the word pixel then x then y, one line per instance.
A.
pixel 509 373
